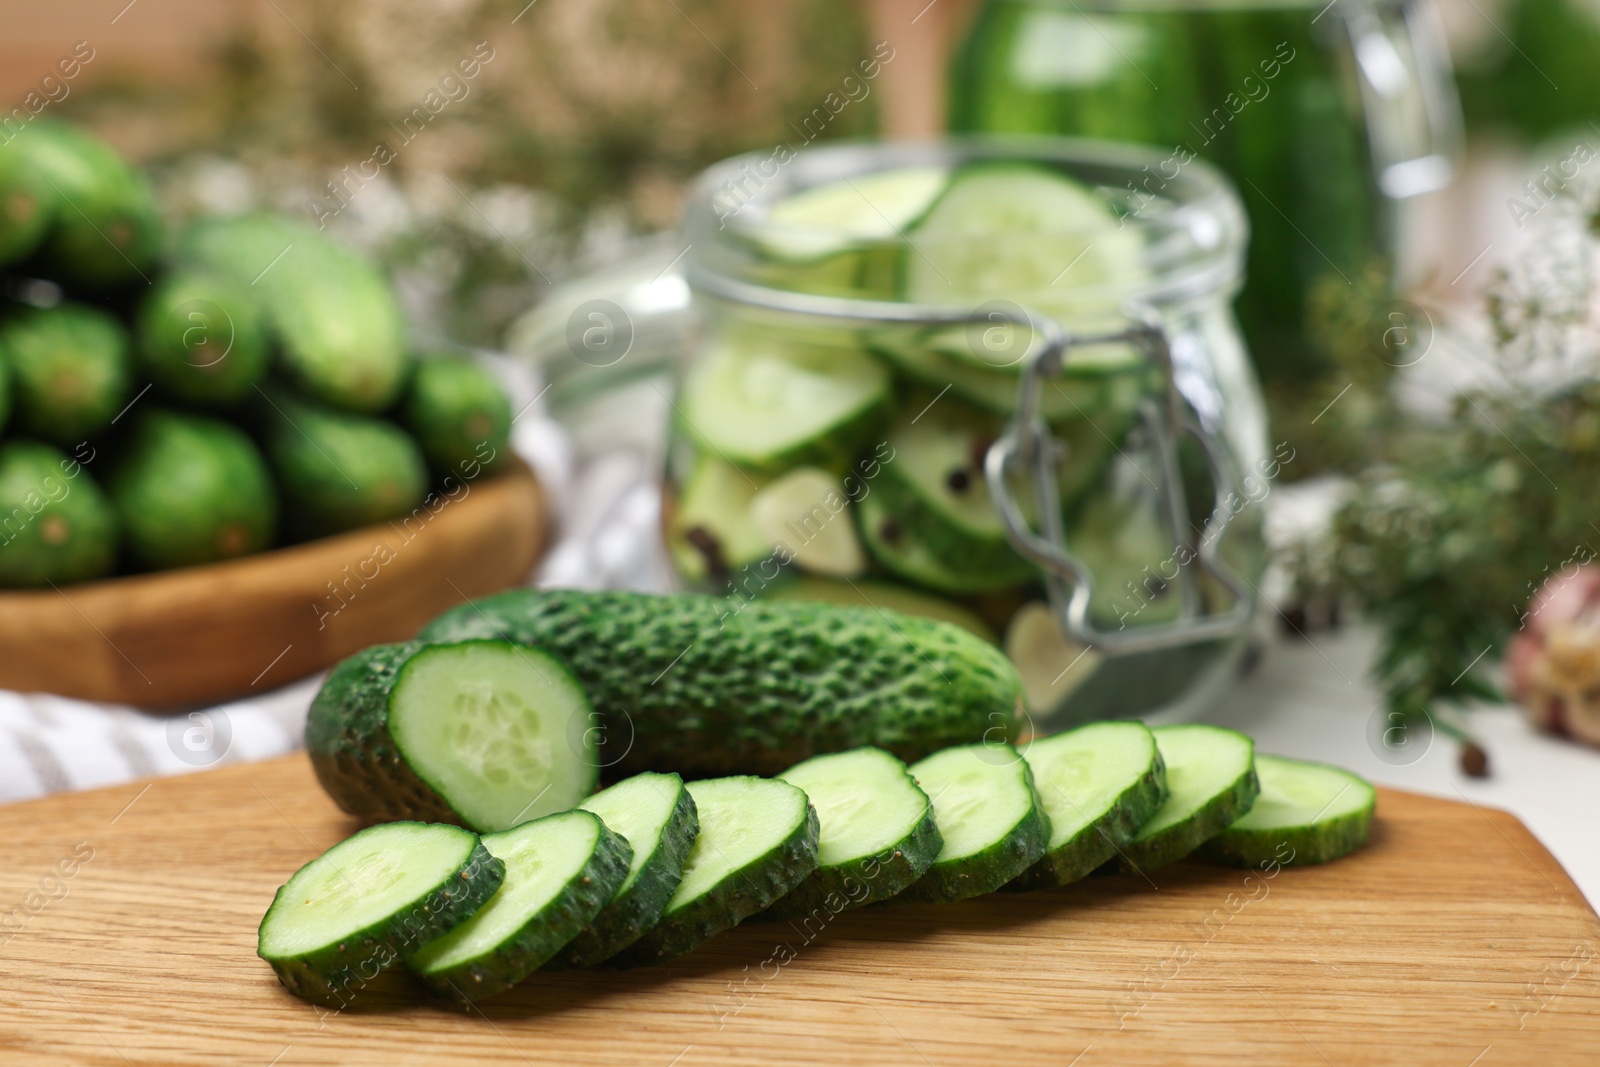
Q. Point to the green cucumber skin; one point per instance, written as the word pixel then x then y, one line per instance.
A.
pixel 579 901
pixel 1178 841
pixel 986 871
pixel 335 975
pixel 750 890
pixel 628 917
pixel 354 755
pixel 882 876
pixel 711 686
pixel 1100 841
pixel 1306 846
pixel 983 563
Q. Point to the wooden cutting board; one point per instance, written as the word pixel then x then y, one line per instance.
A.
pixel 1453 939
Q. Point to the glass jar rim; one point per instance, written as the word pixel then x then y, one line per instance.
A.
pixel 1195 222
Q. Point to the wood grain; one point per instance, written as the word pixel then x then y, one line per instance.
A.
pixel 1452 933
pixel 203 634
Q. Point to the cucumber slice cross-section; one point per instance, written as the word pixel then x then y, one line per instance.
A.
pixel 990 819
pixel 352 912
pixel 1211 781
pixel 757 841
pixel 500 731
pixel 1307 813
pixel 877 832
pixel 828 218
pixel 1099 784
pixel 560 871
pixel 655 813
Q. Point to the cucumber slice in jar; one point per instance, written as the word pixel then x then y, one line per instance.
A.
pixel 1211 782
pixel 882 595
pixel 559 872
pixel 770 402
pixel 350 914
pixel 989 817
pixel 757 841
pixel 655 813
pixel 499 731
pixel 806 512
pixel 877 832
pixel 899 544
pixel 1307 813
pixel 1099 784
pixel 710 534
pixel 826 219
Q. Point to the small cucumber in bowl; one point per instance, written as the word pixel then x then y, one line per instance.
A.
pixel 352 912
pixel 559 873
pixel 877 832
pixel 757 841
pixel 655 813
pixel 989 816
pixel 1307 813
pixel 1211 781
pixel 1099 784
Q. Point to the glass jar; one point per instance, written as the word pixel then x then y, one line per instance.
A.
pixel 1328 116
pixel 979 380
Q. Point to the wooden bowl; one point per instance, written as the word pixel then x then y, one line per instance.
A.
pixel 204 634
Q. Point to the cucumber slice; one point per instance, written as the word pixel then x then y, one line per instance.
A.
pixel 352 912
pixel 1306 813
pixel 939 448
pixel 768 402
pixel 989 817
pixel 897 543
pixel 757 841
pixel 805 510
pixel 1211 781
pixel 656 814
pixel 826 219
pixel 709 533
pixel 559 872
pixel 1099 784
pixel 877 835
pixel 883 595
pixel 996 391
pixel 498 730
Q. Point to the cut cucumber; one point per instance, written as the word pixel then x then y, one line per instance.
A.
pixel 909 543
pixel 989 817
pixel 882 595
pixel 709 532
pixel 353 911
pixel 806 510
pixel 499 731
pixel 825 219
pixel 655 813
pixel 939 447
pixel 1099 784
pixel 1211 781
pixel 1306 813
pixel 877 832
pixel 757 841
pixel 765 401
pixel 559 872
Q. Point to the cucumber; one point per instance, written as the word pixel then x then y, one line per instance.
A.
pixel 5 394
pixel 1099 784
pixel 990 819
pixel 715 686
pixel 883 595
pixel 71 367
pixel 559 873
pixel 1307 813
pixel 352 912
pixel 56 525
pixel 459 414
pixel 826 219
pixel 710 534
pixel 656 814
pixel 340 333
pixel 757 841
pixel 1125 543
pixel 484 733
pixel 1065 398
pixel 806 512
pixel 877 833
pixel 202 340
pixel 769 402
pixel 190 490
pixel 909 544
pixel 1211 782
pixel 24 201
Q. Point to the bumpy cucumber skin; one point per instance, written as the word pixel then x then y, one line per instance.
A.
pixel 544 934
pixel 335 974
pixel 459 415
pixel 979 562
pixel 986 871
pixel 1305 846
pixel 830 890
pixel 71 371
pixel 1099 841
pixel 1181 839
pixel 751 889
pixel 709 686
pixel 353 753
pixel 627 917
